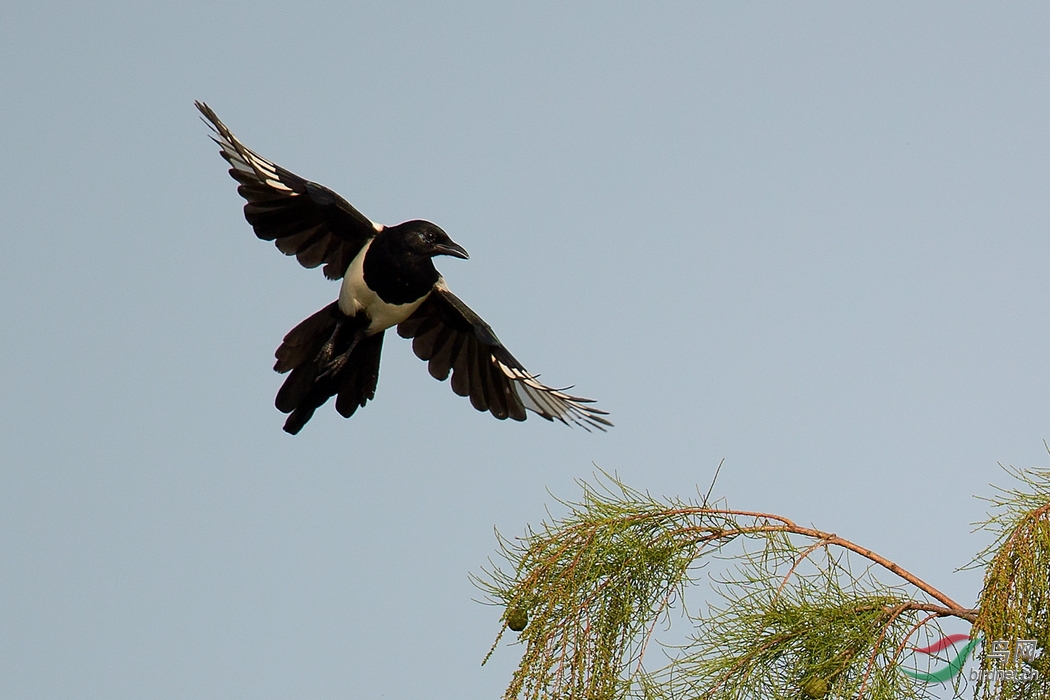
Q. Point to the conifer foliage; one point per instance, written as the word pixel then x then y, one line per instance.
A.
pixel 799 613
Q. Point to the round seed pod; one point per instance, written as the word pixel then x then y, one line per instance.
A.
pixel 517 618
pixel 815 687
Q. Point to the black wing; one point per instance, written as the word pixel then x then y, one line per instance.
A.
pixel 304 219
pixel 452 337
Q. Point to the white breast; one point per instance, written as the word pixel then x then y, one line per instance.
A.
pixel 355 297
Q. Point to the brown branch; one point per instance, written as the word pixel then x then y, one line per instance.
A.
pixel 914 628
pixel 823 538
pixel 897 611
pixel 802 557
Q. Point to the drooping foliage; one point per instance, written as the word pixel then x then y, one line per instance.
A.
pixel 801 613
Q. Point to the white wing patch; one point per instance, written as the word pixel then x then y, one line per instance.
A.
pixel 451 337
pixel 552 403
pixel 247 161
pixel 251 163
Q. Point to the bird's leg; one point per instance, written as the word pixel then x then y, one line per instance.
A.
pixel 324 354
pixel 333 366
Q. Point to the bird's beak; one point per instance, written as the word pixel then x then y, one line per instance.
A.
pixel 453 249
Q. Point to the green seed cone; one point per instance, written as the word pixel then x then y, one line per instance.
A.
pixel 814 687
pixel 517 618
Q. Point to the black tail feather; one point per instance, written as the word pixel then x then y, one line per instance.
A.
pixel 328 355
pixel 305 340
pixel 360 375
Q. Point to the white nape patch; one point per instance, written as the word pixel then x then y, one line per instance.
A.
pixel 355 297
pixel 377 227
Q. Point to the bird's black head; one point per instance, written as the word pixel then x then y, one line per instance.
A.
pixel 425 238
pixel 399 264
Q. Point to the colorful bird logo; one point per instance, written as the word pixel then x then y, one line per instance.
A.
pixel 954 666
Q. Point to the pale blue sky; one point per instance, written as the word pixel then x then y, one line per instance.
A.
pixel 808 239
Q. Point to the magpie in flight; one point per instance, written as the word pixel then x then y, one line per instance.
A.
pixel 389 279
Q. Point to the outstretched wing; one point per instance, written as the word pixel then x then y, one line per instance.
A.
pixel 304 219
pixel 451 337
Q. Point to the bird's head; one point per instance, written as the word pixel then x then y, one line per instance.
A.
pixel 425 238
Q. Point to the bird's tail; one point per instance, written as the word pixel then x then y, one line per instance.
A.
pixel 328 355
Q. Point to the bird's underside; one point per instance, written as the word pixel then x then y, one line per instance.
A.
pixel 392 282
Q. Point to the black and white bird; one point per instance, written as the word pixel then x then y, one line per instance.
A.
pixel 388 279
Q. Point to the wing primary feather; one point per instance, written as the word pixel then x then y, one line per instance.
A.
pixel 455 341
pixel 281 204
pixel 461 369
pixel 478 397
pixel 444 344
pixel 423 345
pixel 441 360
pixel 494 389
